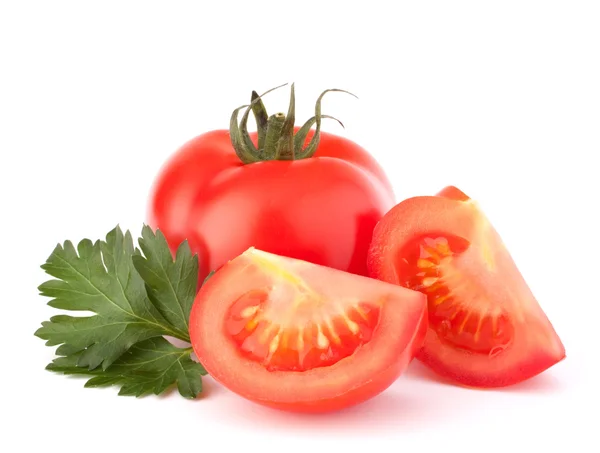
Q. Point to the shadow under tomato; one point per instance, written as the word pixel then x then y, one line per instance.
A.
pixel 417 371
pixel 385 412
pixel 542 383
pixel 404 407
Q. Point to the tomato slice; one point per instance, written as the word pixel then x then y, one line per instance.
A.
pixel 298 336
pixel 486 328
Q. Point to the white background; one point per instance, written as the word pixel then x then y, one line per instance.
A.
pixel 501 99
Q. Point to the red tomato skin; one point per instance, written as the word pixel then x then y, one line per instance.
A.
pixel 462 374
pixel 361 393
pixel 322 209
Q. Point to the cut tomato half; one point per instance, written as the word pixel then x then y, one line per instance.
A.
pixel 302 337
pixel 486 329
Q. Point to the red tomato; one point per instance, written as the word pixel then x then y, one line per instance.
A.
pixel 297 336
pixel 486 328
pixel 322 209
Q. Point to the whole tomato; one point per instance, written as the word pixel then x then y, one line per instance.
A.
pixel 291 191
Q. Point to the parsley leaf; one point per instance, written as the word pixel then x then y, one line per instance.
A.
pixel 150 366
pixel 135 300
pixel 171 285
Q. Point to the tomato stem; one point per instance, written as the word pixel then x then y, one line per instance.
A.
pixel 274 135
pixel 260 114
pixel 311 148
pixel 276 139
pixel 285 148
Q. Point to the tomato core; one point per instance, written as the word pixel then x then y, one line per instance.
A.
pixel 290 327
pixel 459 310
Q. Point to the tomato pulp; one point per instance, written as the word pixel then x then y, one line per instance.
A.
pixel 297 336
pixel 321 208
pixel 486 329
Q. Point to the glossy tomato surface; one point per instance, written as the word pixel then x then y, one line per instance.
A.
pixel 486 328
pixel 297 336
pixel 321 209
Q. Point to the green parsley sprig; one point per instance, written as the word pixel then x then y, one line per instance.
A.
pixel 137 297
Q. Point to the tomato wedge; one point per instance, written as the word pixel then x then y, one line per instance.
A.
pixel 486 329
pixel 302 337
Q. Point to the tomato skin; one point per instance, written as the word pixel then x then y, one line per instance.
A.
pixel 491 375
pixel 354 379
pixel 322 209
pixel 535 346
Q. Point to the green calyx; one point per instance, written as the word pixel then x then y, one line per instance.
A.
pixel 276 138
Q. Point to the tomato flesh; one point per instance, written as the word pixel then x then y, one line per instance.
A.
pixel 298 336
pixel 308 334
pixel 486 329
pixel 460 311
